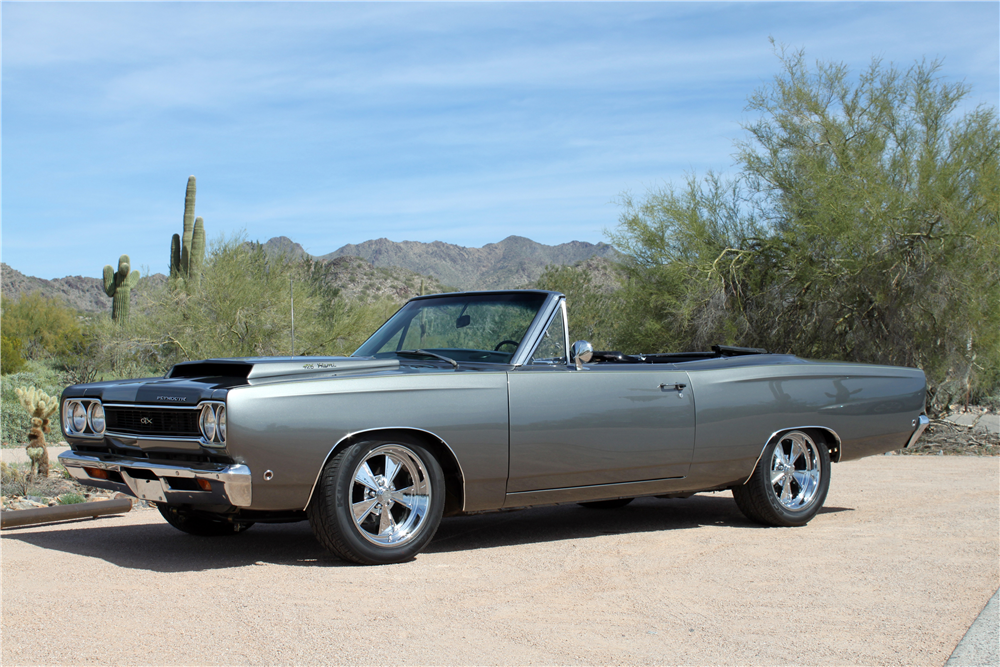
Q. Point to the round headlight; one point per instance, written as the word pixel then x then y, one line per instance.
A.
pixel 221 419
pixel 67 415
pixel 95 416
pixel 208 422
pixel 79 417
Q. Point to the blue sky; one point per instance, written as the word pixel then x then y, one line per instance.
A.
pixel 335 123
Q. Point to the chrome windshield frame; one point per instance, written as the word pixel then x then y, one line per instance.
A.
pixel 532 335
pixel 560 311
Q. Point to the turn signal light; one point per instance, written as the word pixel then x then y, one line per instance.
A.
pixel 97 473
pixel 205 484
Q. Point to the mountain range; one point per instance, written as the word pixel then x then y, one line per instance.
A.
pixel 397 269
pixel 514 262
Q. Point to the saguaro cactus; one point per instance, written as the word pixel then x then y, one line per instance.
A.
pixel 118 285
pixel 40 406
pixel 187 252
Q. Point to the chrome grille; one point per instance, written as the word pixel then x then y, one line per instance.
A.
pixel 148 421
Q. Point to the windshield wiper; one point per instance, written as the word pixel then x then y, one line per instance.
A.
pixel 425 353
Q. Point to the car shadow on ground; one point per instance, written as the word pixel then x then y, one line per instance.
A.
pixel 570 522
pixel 159 547
pixel 156 546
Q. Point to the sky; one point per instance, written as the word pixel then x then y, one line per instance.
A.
pixel 335 123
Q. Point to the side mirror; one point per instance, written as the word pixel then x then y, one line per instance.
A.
pixel 581 352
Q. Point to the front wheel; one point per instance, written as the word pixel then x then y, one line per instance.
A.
pixel 201 525
pixel 790 482
pixel 378 502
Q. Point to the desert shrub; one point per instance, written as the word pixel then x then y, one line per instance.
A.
pixel 130 349
pixel 11 360
pixel 244 308
pixel 14 479
pixel 71 499
pixel 46 327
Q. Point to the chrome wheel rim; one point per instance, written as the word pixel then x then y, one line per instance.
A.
pixel 390 495
pixel 796 470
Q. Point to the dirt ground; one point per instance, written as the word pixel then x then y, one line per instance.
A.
pixel 892 572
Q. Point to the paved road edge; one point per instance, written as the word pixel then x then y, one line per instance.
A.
pixel 981 643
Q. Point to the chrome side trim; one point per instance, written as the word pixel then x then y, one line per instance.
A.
pixel 797 428
pixel 922 423
pixel 461 473
pixel 576 494
pixel 236 479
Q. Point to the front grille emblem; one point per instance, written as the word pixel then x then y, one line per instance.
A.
pixel 146 421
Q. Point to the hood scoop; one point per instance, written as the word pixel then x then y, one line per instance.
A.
pixel 268 367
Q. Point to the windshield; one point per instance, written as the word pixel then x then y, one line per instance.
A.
pixel 464 327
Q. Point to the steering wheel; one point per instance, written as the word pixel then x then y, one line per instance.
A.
pixel 506 342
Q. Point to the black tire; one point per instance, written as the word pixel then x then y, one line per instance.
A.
pixel 378 502
pixel 789 485
pixel 606 504
pixel 201 525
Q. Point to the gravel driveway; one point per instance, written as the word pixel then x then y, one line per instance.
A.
pixel 892 572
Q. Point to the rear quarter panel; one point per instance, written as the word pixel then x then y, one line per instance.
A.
pixel 741 404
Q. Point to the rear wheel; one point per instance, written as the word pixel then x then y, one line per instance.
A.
pixel 378 502
pixel 789 485
pixel 198 524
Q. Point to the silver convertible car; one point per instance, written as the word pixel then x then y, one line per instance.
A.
pixel 476 401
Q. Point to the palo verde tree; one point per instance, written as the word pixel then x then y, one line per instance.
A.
pixel 863 225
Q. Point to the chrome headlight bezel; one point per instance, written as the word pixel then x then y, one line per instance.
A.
pixel 212 423
pixel 95 417
pixel 83 418
pixel 220 422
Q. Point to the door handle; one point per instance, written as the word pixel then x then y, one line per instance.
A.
pixel 677 386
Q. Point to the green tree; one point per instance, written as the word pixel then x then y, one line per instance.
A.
pixel 863 225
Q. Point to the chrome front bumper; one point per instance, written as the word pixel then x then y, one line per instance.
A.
pixel 205 484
